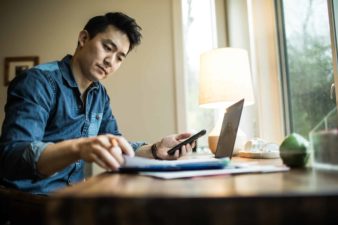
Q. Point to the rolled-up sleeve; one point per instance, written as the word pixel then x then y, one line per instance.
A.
pixel 29 102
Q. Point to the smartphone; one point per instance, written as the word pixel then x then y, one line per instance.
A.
pixel 190 140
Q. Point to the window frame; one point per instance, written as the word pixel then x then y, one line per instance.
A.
pixel 283 68
pixel 333 34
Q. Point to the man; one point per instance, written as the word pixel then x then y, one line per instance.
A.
pixel 58 114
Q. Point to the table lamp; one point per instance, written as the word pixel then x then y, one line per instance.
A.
pixel 224 79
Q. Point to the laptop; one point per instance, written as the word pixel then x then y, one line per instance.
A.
pixel 228 133
pixel 197 161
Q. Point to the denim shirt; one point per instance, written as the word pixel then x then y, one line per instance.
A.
pixel 44 106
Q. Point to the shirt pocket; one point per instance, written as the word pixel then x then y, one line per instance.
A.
pixel 94 124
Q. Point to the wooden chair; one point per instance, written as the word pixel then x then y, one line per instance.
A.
pixel 17 207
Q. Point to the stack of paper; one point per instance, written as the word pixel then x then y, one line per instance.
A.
pixel 173 169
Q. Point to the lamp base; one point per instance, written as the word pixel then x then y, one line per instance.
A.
pixel 212 141
pixel 241 139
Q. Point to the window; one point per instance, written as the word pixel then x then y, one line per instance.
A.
pixel 199 35
pixel 307 68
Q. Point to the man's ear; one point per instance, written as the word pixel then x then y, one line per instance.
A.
pixel 83 37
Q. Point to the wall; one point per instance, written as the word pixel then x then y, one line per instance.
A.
pixel 142 92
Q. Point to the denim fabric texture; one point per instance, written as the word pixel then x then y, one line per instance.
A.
pixel 44 106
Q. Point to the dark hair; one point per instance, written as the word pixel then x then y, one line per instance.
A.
pixel 124 23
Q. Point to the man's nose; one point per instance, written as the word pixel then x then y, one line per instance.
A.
pixel 108 62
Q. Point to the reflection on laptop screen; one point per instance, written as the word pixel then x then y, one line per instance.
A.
pixel 227 137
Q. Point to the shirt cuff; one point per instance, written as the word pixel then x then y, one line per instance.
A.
pixel 137 145
pixel 37 147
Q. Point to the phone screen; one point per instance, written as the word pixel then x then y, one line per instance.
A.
pixel 190 140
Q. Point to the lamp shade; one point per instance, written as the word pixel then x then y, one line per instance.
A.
pixel 225 77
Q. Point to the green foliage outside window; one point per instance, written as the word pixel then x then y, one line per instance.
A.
pixel 309 63
pixel 310 74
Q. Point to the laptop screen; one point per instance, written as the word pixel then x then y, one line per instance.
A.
pixel 227 136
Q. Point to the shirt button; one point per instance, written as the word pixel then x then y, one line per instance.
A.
pixel 69 182
pixel 98 117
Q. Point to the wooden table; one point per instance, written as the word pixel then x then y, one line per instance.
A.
pixel 300 196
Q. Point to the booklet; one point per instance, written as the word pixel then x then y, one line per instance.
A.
pixel 145 164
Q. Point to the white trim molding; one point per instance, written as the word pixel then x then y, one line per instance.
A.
pixel 265 69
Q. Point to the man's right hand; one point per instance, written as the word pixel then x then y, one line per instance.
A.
pixel 104 150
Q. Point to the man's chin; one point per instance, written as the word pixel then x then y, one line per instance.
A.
pixel 98 77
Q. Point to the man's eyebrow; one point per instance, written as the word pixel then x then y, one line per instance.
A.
pixel 108 41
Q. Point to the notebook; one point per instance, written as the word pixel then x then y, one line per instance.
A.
pixel 134 164
pixel 221 159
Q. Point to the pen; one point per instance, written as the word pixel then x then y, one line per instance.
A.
pixel 116 147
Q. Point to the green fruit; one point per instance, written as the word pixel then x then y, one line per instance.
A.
pixel 294 150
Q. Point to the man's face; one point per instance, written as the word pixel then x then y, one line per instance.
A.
pixel 102 55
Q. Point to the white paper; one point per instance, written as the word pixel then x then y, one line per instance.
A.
pixel 238 169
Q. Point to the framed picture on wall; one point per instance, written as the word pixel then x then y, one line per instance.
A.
pixel 14 66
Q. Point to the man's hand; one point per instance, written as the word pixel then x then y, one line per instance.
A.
pixel 170 141
pixel 105 150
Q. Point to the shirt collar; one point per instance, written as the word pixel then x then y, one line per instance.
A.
pixel 68 75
